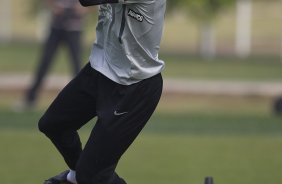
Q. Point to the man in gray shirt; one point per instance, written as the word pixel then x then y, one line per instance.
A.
pixel 121 86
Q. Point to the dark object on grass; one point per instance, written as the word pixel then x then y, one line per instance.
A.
pixel 208 180
pixel 277 106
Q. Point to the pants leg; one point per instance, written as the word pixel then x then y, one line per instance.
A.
pixel 48 52
pixel 72 108
pixel 122 112
pixel 73 41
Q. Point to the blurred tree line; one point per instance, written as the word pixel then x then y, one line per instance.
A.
pixel 204 12
pixel 199 9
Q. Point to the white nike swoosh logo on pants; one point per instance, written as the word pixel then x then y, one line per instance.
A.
pixel 116 113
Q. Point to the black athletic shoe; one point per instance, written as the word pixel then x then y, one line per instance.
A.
pixel 59 179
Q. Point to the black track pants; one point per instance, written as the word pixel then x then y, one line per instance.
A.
pixel 122 111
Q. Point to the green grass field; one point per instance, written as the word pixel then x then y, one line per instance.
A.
pixel 29 158
pixel 236 140
pixel 235 143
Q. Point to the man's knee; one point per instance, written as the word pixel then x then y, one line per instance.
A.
pixel 46 125
pixel 43 125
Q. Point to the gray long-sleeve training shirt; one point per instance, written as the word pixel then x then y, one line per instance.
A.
pixel 128 36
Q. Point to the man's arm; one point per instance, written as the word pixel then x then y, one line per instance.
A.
pixel 97 2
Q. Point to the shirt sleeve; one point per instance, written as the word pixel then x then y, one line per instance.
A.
pixel 134 1
pixel 97 2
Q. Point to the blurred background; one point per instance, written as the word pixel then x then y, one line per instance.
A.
pixel 219 115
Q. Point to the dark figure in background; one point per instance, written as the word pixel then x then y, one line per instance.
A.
pixel 277 106
pixel 65 28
